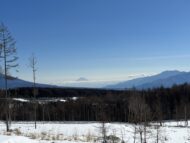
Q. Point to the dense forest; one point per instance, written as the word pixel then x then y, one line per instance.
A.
pixel 100 105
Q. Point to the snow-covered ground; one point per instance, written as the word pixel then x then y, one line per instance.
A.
pixel 88 132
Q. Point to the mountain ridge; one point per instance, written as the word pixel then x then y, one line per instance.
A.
pixel 13 82
pixel 165 79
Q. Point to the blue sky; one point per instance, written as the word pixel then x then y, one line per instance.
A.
pixel 99 39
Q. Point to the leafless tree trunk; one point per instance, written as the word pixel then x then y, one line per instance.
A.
pixel 33 62
pixel 160 138
pixel 158 112
pixel 103 129
pixel 157 134
pixel 43 112
pixel 144 133
pixel 135 133
pixel 122 135
pixel 104 132
pixel 185 115
pixel 141 138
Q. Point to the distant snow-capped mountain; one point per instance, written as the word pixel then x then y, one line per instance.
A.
pixel 165 79
pixel 82 79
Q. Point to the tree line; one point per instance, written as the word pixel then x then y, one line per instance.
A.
pixel 97 104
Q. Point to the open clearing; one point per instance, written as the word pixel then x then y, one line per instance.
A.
pixel 88 132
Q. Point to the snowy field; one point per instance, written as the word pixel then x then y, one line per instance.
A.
pixel 89 132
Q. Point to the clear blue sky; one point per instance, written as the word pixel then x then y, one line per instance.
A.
pixel 99 39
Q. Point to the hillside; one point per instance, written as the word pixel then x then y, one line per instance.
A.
pixel 13 82
pixel 165 79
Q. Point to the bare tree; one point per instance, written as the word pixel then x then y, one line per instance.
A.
pixel 185 106
pixel 158 112
pixel 103 129
pixel 8 54
pixel 157 127
pixel 160 136
pixel 139 113
pixel 33 63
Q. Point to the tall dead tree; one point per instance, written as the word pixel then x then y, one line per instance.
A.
pixel 8 54
pixel 33 63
